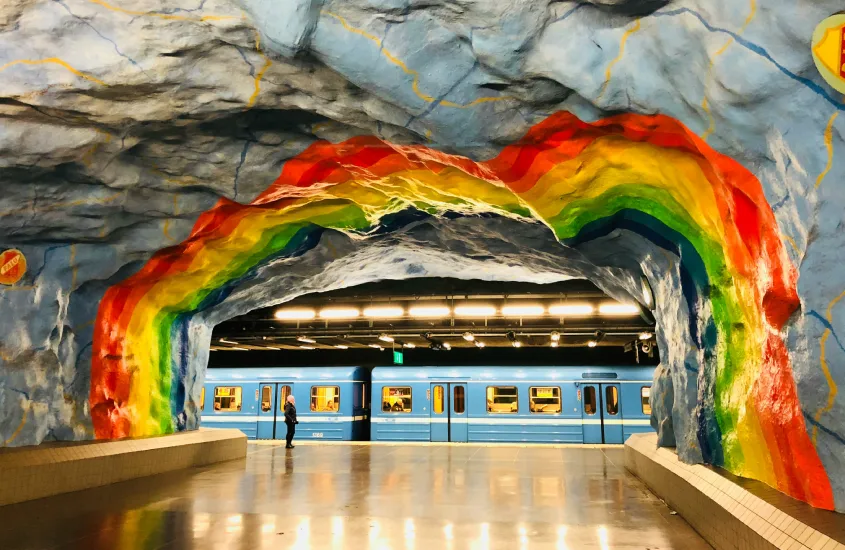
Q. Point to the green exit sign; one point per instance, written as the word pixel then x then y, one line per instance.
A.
pixel 398 357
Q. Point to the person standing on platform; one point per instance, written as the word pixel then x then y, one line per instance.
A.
pixel 290 421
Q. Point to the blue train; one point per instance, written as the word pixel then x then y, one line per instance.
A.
pixel 458 404
pixel 331 402
pixel 511 404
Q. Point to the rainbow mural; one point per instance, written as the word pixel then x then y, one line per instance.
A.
pixel 648 174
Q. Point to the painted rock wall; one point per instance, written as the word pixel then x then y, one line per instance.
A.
pixel 167 165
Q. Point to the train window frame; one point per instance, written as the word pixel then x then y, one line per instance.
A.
pixel 268 398
pixel 607 401
pixel 645 399
pixel 491 401
pixel 202 399
pixel 462 400
pixel 336 399
pixel 594 391
pixel 385 396
pixel 532 399
pixel 438 399
pixel 237 397
pixel 283 397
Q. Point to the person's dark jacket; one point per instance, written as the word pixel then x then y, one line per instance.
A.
pixel 290 414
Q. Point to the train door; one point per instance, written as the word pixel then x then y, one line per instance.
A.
pixel 440 412
pixel 266 411
pixel 458 413
pixel 449 412
pixel 611 414
pixel 601 414
pixel 283 390
pixel 591 413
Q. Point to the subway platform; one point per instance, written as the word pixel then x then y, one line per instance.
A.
pixel 372 497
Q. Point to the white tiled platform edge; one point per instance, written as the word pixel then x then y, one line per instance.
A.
pixel 28 473
pixel 726 515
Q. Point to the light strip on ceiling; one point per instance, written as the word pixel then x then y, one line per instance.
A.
pixel 572 309
pixel 384 312
pixel 339 313
pixel 526 310
pixel 429 311
pixel 613 308
pixel 475 311
pixel 295 314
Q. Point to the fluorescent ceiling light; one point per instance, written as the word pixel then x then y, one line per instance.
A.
pixel 526 310
pixel 376 346
pixel 572 309
pixel 305 340
pixel 447 345
pixel 468 336
pixel 307 347
pixel 385 338
pixel 613 308
pixel 339 313
pixel 592 343
pixel 341 346
pixel 295 314
pixel 475 311
pixel 271 347
pixel 239 349
pixel 224 341
pixel 645 336
pixel 554 343
pixel 517 344
pixel 555 336
pixel 479 344
pixel 384 312
pixel 429 311
pixel 408 345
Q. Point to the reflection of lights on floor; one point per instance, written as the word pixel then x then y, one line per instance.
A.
pixel 234 523
pixel 268 524
pixel 523 537
pixel 337 528
pixel 410 534
pixel 448 530
pixel 201 523
pixel 561 538
pixel 602 531
pixel 484 539
pixel 303 535
pixel 375 530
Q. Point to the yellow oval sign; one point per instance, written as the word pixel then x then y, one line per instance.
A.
pixel 12 266
pixel 829 50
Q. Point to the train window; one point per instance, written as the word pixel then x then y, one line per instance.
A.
pixel 325 399
pixel 590 400
pixel 502 399
pixel 458 400
pixel 544 400
pixel 227 398
pixel 611 399
pixel 284 392
pixel 202 399
pixel 266 398
pixel 645 397
pixel 396 400
pixel 438 400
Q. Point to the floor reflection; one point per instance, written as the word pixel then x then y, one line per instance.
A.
pixel 378 498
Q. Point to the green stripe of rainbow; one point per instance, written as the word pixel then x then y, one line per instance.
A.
pixel 564 172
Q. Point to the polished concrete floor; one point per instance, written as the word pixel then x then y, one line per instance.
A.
pixel 366 497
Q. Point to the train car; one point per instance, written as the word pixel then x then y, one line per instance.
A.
pixel 331 402
pixel 510 404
